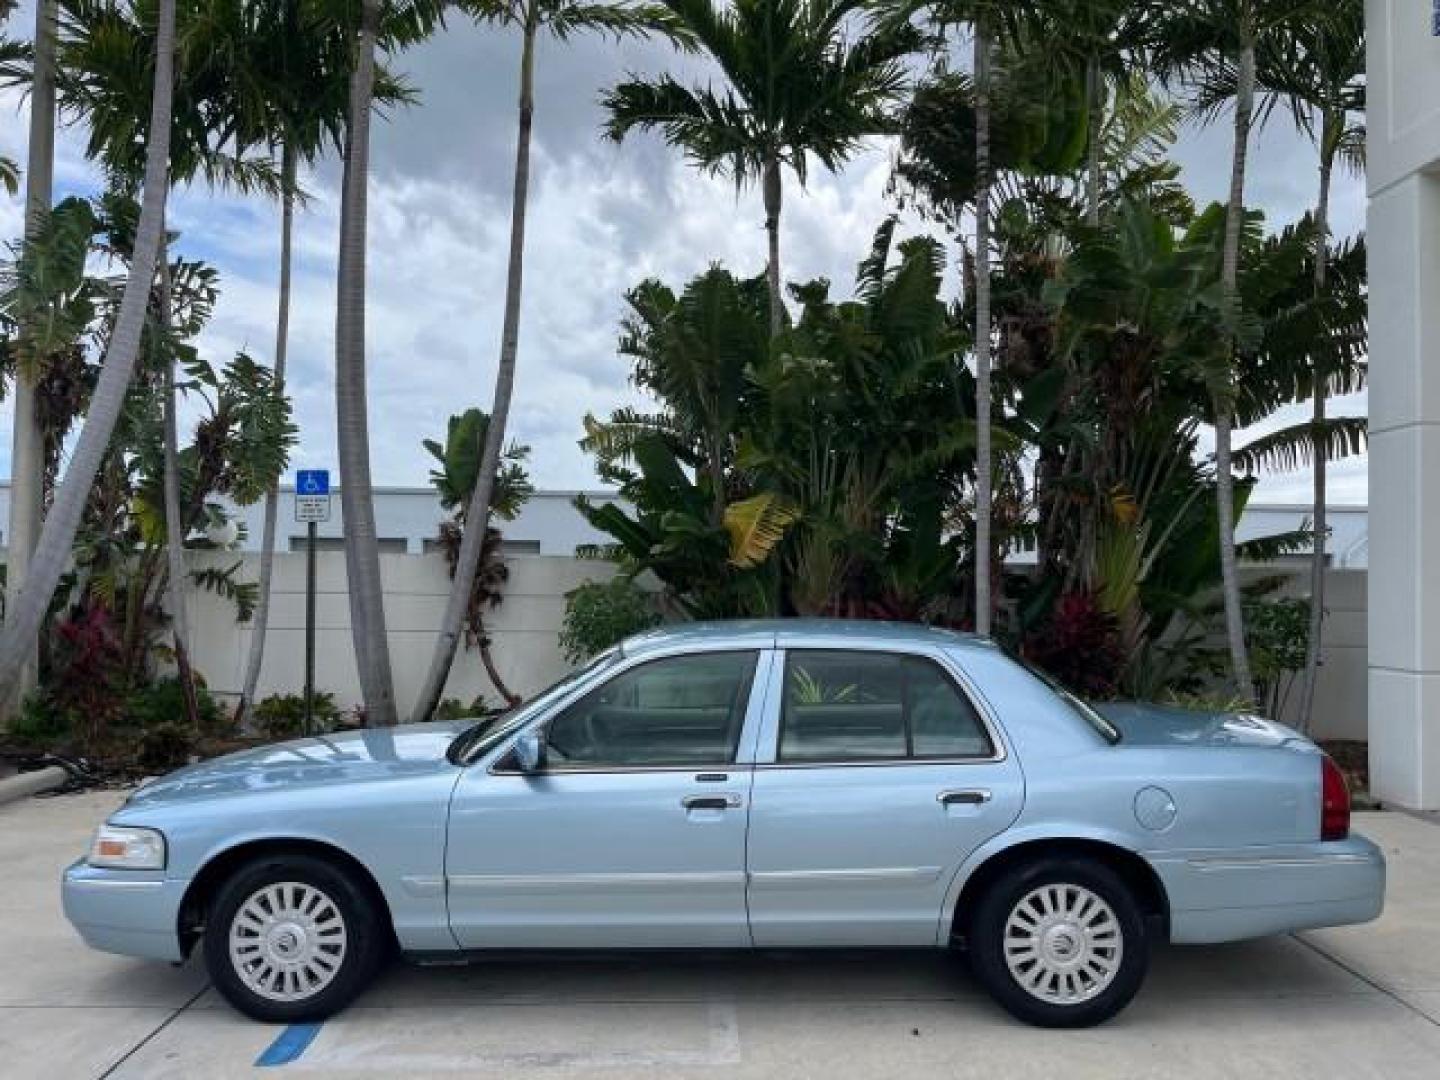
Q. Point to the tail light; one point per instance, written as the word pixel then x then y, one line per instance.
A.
pixel 1334 801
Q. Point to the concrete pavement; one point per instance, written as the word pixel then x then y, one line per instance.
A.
pixel 1352 1003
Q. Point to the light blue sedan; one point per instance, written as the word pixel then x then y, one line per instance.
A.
pixel 784 784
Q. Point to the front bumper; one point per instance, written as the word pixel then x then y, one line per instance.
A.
pixel 132 912
pixel 1232 895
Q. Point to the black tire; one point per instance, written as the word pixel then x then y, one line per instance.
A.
pixel 350 966
pixel 1089 1003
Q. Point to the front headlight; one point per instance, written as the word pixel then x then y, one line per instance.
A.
pixel 123 847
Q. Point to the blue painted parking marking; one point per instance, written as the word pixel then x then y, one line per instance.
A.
pixel 288 1045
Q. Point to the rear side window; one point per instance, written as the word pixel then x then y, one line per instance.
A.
pixel 874 706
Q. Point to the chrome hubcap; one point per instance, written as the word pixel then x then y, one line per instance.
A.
pixel 287 941
pixel 1063 944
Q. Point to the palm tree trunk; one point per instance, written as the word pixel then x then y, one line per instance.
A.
pixel 488 659
pixel 771 183
pixel 52 553
pixel 174 528
pixel 1223 394
pixel 1095 105
pixel 983 477
pixel 27 456
pixel 1328 135
pixel 477 513
pixel 362 552
pixel 267 532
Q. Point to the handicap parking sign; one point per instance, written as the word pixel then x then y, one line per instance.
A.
pixel 312 495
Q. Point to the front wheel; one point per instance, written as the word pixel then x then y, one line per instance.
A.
pixel 1060 942
pixel 292 937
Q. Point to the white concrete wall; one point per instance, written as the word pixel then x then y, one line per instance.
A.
pixel 525 626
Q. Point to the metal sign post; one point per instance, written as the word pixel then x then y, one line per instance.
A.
pixel 312 505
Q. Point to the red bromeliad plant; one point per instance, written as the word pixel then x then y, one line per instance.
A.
pixel 87 671
pixel 1080 645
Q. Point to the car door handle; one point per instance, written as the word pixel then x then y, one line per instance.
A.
pixel 726 801
pixel 967 797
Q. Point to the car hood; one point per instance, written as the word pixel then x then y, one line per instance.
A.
pixel 1143 724
pixel 347 757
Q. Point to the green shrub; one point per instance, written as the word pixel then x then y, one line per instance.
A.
pixel 455 709
pixel 282 716
pixel 599 614
pixel 39 721
pixel 164 747
pixel 162 703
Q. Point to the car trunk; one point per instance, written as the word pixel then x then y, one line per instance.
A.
pixel 1162 725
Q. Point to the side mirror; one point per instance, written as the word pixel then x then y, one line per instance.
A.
pixel 530 752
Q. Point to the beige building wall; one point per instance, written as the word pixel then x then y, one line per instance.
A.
pixel 1340 693
pixel 525 626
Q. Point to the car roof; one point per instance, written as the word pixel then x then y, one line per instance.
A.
pixel 772 633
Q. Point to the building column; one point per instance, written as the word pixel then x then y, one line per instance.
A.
pixel 1402 39
pixel 1404 633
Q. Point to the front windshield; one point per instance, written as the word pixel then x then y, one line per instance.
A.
pixel 477 739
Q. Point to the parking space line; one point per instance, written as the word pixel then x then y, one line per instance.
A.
pixel 288 1045
pixel 369 1050
pixel 158 1029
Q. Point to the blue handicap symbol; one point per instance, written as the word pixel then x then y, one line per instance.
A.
pixel 313 482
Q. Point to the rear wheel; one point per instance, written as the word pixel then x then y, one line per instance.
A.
pixel 1060 942
pixel 292 937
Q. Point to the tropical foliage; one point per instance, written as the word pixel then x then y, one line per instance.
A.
pixel 458 463
pixel 860 420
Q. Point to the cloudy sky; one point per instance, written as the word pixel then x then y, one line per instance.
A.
pixel 601 219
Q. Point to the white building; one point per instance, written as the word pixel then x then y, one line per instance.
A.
pixel 1403 235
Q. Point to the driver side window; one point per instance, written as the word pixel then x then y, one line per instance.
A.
pixel 680 711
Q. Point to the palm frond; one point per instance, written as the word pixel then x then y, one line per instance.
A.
pixel 1293 447
pixel 755 526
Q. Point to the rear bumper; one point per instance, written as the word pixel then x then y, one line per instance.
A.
pixel 1251 892
pixel 132 912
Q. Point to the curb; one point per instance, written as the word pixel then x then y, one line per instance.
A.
pixel 31 783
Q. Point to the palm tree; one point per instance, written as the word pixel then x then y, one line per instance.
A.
pixel 362 553
pixel 1223 393
pixel 299 70
pixel 561 18
pixel 53 551
pixel 403 22
pixel 1213 44
pixel 983 22
pixel 797 84
pixel 1319 66
pixel 27 459
pixel 984 471
pixel 103 79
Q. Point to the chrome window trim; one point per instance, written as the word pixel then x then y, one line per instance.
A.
pixel 877 763
pixel 940 657
pixel 762 668
pixel 606 770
